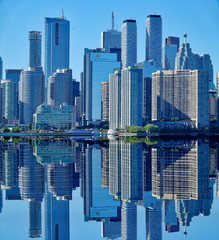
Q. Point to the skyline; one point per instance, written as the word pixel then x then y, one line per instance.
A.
pixel 82 35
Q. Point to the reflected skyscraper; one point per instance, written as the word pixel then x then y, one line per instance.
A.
pixel 182 173
pixel 129 221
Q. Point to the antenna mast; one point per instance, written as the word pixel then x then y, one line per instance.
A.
pixel 112 21
pixel 63 16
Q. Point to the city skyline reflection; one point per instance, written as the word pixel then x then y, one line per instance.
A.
pixel 124 187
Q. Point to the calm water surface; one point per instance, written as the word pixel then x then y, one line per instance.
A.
pixel 60 189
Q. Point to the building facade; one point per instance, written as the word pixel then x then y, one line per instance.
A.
pixel 31 93
pixel 154 39
pixel 98 64
pixel 60 88
pixel 181 94
pixel 129 43
pixel 35 49
pixel 131 97
pixel 57 34
pixel 48 117
pixel 105 101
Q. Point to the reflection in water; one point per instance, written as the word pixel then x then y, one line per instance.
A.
pixel 171 181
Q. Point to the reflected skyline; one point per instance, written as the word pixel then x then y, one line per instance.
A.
pixel 169 183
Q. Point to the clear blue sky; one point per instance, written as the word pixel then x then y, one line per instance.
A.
pixel 199 18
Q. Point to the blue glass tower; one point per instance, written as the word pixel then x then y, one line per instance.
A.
pixel 56 45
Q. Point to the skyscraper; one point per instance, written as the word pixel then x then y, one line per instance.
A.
pixel 154 39
pixel 129 43
pixel 60 87
pixel 111 38
pixel 1 68
pixel 105 101
pixel 34 49
pixel 169 52
pixel 98 64
pixel 13 75
pixel 9 100
pixel 131 97
pixel 57 36
pixel 181 93
pixel 31 93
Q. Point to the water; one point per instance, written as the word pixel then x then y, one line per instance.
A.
pixel 113 189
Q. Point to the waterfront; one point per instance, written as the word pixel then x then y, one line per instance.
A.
pixel 67 189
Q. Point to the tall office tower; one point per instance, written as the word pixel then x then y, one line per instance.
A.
pixel 60 87
pixel 57 34
pixel 111 38
pixel 181 93
pixel 56 218
pixel 129 43
pixel 105 167
pixel 35 228
pixel 131 97
pixel 182 174
pixel 98 64
pixel 217 87
pixel 170 219
pixel 31 93
pixel 112 229
pixel 10 101
pixel 9 169
pixel 13 75
pixel 34 49
pixel 185 59
pixel 105 101
pixel 129 221
pixel 115 100
pixel 115 168
pixel 96 208
pixel 154 39
pixel 1 105
pixel 78 109
pixel 170 50
pixel 1 68
pixel 148 68
pixel 75 90
pixel 131 172
pixel 154 221
pixel 172 41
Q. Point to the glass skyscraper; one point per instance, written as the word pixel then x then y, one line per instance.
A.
pixel 34 49
pixel 129 43
pixel 98 64
pixel 56 45
pixel 1 68
pixel 154 39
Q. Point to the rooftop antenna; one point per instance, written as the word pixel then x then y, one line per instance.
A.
pixel 185 36
pixel 112 21
pixel 63 16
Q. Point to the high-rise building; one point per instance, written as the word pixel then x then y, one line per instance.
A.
pixel 13 75
pixel 105 101
pixel 111 38
pixel 115 100
pixel 57 34
pixel 75 90
pixel 1 68
pixel 181 94
pixel 1 105
pixel 129 43
pixel 154 39
pixel 10 100
pixel 98 64
pixel 31 93
pixel 170 50
pixel 60 87
pixel 148 68
pixel 131 97
pixel 34 49
pixel 185 59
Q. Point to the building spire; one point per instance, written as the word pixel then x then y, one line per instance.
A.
pixel 112 21
pixel 185 36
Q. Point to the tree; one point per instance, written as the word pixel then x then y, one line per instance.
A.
pixel 6 129
pixel 151 128
pixel 16 129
